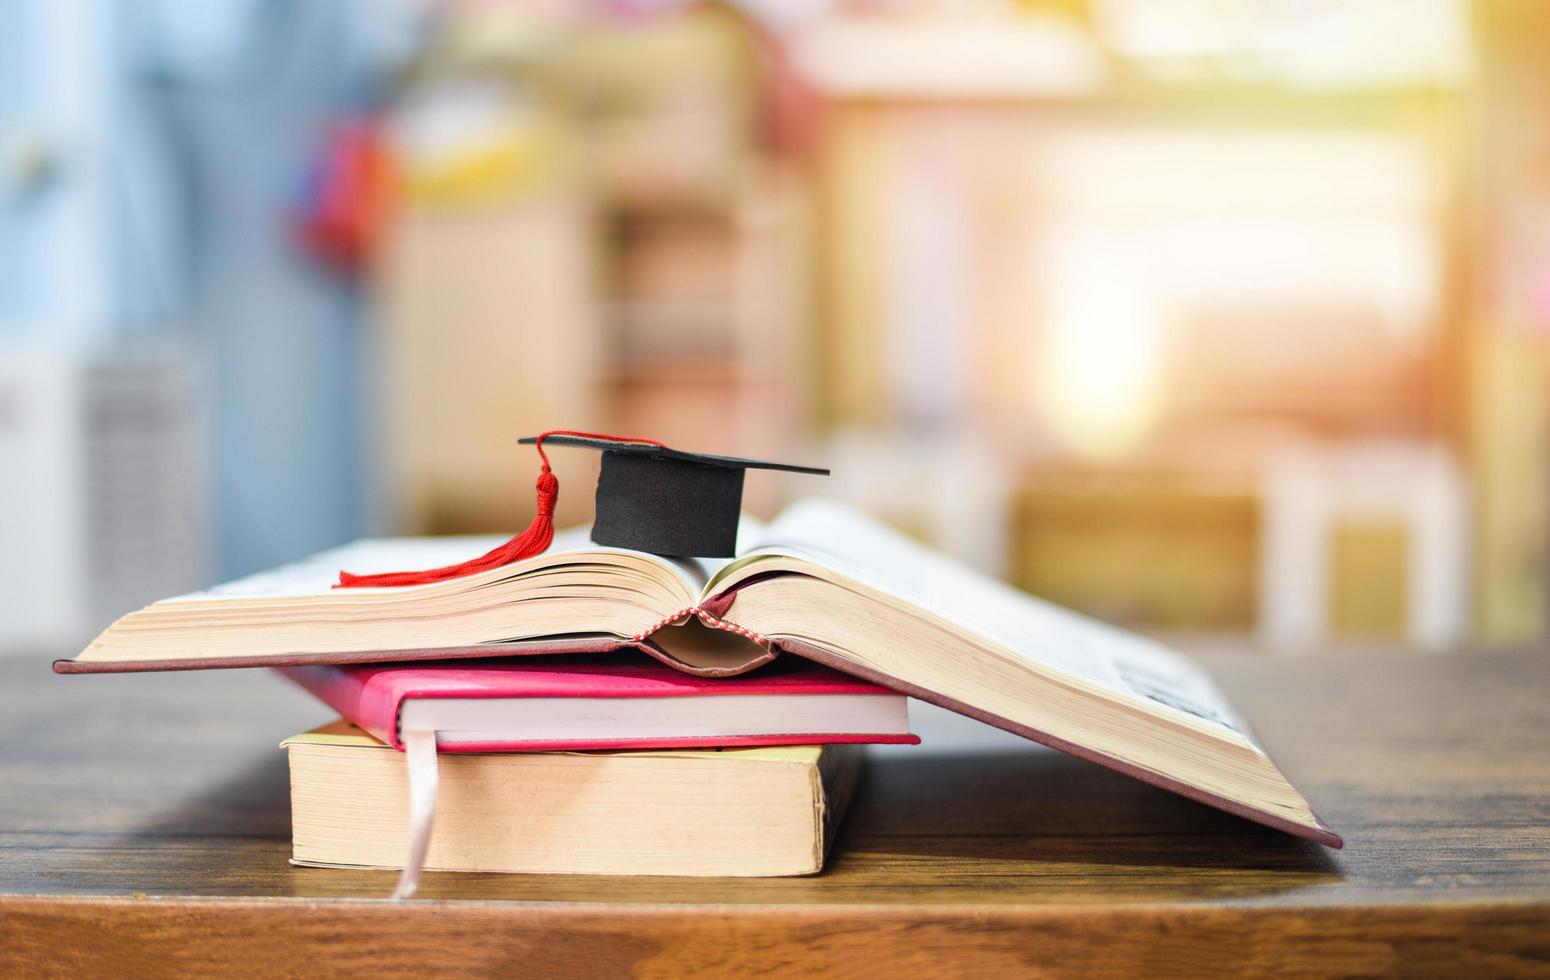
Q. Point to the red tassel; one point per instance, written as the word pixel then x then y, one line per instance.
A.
pixel 534 541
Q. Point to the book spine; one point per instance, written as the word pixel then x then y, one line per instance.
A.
pixel 348 694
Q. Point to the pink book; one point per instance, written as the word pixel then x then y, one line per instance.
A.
pixel 607 702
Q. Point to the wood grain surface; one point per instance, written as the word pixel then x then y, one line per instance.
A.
pixel 144 828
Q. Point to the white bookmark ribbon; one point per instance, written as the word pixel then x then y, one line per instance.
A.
pixel 420 759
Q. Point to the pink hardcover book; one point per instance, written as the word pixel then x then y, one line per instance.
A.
pixel 607 702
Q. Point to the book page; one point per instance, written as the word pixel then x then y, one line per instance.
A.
pixel 841 540
pixel 698 572
pixel 316 574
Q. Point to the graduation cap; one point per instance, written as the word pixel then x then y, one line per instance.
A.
pixel 650 497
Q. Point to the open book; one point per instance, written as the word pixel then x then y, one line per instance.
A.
pixel 820 582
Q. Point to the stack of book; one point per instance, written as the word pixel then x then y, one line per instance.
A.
pixel 602 764
pixel 598 709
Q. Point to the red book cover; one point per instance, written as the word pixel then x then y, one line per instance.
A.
pixel 373 697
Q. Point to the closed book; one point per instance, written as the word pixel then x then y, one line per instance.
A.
pixel 764 811
pixel 618 701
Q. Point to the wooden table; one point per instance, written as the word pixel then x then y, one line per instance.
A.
pixel 144 825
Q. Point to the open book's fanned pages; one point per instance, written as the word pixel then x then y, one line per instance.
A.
pixel 820 582
pixel 832 586
pixel 574 598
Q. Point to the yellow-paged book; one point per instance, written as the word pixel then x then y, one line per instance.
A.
pixel 693 812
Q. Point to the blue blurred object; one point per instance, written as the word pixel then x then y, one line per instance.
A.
pixel 149 155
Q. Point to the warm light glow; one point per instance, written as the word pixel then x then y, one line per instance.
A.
pixel 1101 362
pixel 1312 45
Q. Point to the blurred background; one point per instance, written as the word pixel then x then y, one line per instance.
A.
pixel 1220 319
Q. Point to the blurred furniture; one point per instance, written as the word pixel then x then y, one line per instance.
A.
pixel 600 233
pixel 1363 539
pixel 1039 231
pixel 703 332
pixel 1509 480
pixel 143 828
pixel 948 490
pixel 104 501
pixel 487 336
pixel 1164 547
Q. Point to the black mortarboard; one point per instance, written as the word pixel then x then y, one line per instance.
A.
pixel 666 501
pixel 649 498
